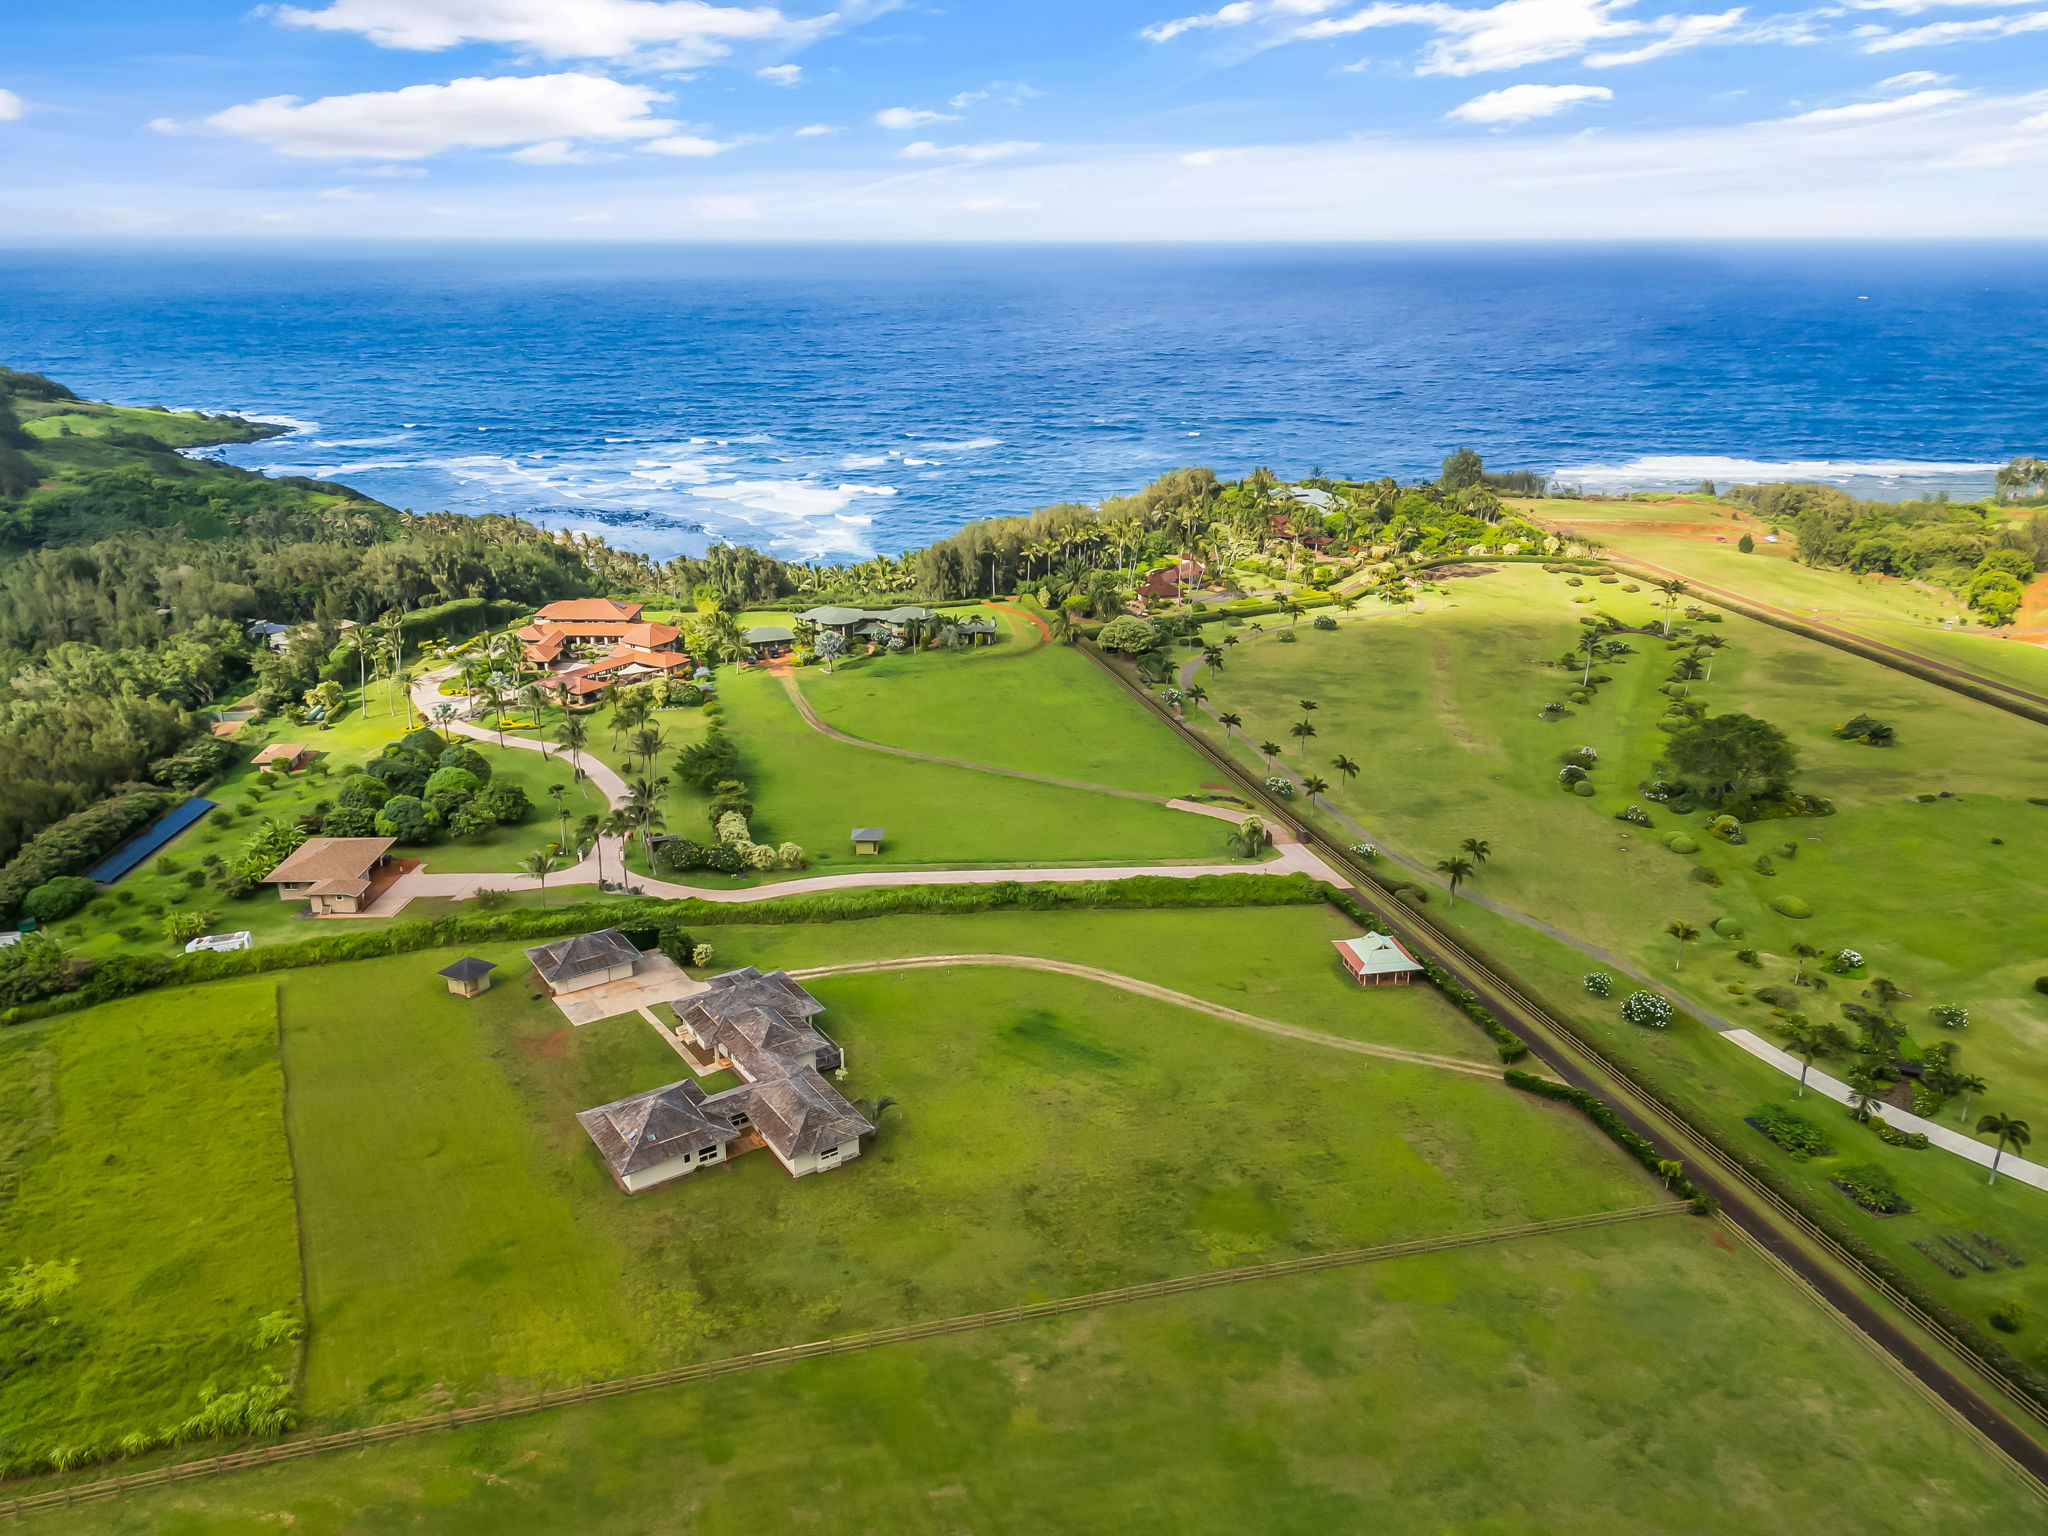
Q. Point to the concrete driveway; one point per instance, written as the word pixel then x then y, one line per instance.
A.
pixel 658 979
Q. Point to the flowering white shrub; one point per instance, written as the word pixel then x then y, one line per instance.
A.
pixel 1951 1016
pixel 1599 983
pixel 1589 752
pixel 1646 1009
pixel 1845 961
pixel 1284 788
pixel 1365 851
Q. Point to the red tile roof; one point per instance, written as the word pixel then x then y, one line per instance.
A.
pixel 588 608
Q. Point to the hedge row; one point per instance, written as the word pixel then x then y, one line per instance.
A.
pixel 76 843
pixel 1596 1109
pixel 124 975
pixel 1511 1045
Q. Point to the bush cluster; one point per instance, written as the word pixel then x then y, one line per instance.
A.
pixel 1892 1136
pixel 1795 1133
pixel 72 845
pixel 1647 1009
pixel 198 764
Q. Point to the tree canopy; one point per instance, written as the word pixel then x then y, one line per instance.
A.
pixel 1731 756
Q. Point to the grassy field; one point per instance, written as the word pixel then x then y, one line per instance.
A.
pixel 1442 711
pixel 461 1236
pixel 812 790
pixel 179 1223
pixel 1916 616
pixel 1647 1378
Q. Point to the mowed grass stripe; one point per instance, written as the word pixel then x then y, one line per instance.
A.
pixel 298 1450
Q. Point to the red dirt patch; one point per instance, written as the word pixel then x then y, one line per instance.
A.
pixel 556 1044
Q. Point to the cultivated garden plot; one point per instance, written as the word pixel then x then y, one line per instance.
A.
pixel 1648 1377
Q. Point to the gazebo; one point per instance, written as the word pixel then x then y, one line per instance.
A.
pixel 867 839
pixel 468 977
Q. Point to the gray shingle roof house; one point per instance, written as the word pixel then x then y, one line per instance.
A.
pixel 587 960
pixel 760 1027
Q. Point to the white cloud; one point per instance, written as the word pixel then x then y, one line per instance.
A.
pixel 422 120
pixel 1936 34
pixel 386 172
pixel 1510 35
pixel 724 210
pixel 1525 103
pixel 1002 149
pixel 815 131
pixel 996 205
pixel 671 32
pixel 1912 78
pixel 1009 92
pixel 686 145
pixel 551 152
pixel 11 107
pixel 346 195
pixel 1878 111
pixel 781 74
pixel 906 118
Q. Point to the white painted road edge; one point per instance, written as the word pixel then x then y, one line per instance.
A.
pixel 1946 1137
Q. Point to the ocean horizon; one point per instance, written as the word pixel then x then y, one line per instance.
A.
pixel 832 402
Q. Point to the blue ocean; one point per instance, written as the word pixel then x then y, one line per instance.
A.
pixel 830 403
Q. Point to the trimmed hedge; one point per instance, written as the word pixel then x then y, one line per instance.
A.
pixel 1596 1109
pixel 77 842
pixel 1512 1047
pixel 124 975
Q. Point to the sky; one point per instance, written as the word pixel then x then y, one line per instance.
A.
pixel 1131 120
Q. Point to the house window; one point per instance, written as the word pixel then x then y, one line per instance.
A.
pixel 831 1152
pixel 707 1154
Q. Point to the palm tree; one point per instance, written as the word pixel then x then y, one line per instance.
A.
pixel 619 824
pixel 540 865
pixel 643 799
pixel 1293 610
pixel 1480 849
pixel 1309 706
pixel 1967 1084
pixel 1229 722
pixel 1685 933
pixel 1804 952
pixel 1301 731
pixel 1808 1040
pixel 560 794
pixel 1863 1097
pixel 1457 870
pixel 1345 766
pixel 574 735
pixel 1248 838
pixel 1270 750
pixel 1673 590
pixel 1589 645
pixel 494 699
pixel 648 743
pixel 1213 656
pixel 2010 1132
pixel 1313 786
pixel 1687 671
pixel 831 645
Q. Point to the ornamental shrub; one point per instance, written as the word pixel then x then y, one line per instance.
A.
pixel 468 759
pixel 349 821
pixel 503 803
pixel 1843 961
pixel 407 818
pixel 55 900
pixel 1647 1009
pixel 1678 842
pixel 2041 985
pixel 451 786
pixel 1950 1015
pixel 1791 906
pixel 1570 773
pixel 1764 866
pixel 1324 621
pixel 1599 983
pixel 1635 814
pixel 1280 787
pixel 1583 789
pixel 1726 927
pixel 405 772
pixel 362 789
pixel 1702 875
pixel 2009 1316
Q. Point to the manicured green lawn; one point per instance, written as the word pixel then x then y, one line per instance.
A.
pixel 812 790
pixel 1649 1378
pixel 143 1142
pixel 1043 708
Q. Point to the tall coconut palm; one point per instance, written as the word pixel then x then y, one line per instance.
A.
pixel 1479 848
pixel 1345 766
pixel 1270 751
pixel 1458 871
pixel 1806 1040
pixel 1968 1085
pixel 1248 838
pixel 1673 589
pixel 1230 720
pixel 647 744
pixel 574 735
pixel 619 824
pixel 540 865
pixel 1313 786
pixel 1302 731
pixel 643 799
pixel 2010 1132
pixel 1685 933
pixel 559 793
pixel 1803 952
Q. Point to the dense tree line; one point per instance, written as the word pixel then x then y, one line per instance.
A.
pixel 1982 553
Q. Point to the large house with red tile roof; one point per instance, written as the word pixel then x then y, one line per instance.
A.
pixel 589 643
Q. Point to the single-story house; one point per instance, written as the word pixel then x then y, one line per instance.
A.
pixel 883 624
pixel 275 636
pixel 1377 960
pixel 765 640
pixel 867 839
pixel 468 977
pixel 1170 581
pixel 587 960
pixel 758 1027
pixel 579 609
pixel 288 755
pixel 332 875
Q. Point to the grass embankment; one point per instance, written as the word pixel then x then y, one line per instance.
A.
pixel 144 1144
pixel 1443 713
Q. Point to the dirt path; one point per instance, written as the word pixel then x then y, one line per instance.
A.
pixel 1164 995
pixel 1044 629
